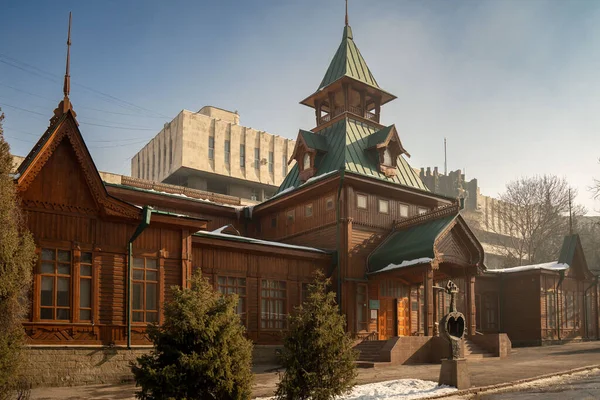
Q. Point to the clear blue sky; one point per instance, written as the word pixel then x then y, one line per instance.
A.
pixel 514 84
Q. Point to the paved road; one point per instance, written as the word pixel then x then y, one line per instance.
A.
pixel 580 388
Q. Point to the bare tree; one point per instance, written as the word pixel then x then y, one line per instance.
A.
pixel 533 218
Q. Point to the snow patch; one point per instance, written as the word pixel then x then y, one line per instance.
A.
pixel 400 389
pixel 407 263
pixel 550 266
pixel 316 178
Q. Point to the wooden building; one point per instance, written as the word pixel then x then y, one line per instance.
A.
pixel 351 206
pixel 543 303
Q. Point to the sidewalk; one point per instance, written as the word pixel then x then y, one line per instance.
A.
pixel 523 363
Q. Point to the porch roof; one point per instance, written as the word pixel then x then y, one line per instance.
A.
pixel 409 246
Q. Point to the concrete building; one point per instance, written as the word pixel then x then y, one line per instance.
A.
pixel 209 150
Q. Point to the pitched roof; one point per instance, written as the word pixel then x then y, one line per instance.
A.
pixel 348 61
pixel 409 246
pixel 314 140
pixel 346 141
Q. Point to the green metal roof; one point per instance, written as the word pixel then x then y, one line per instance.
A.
pixel 379 136
pixel 347 142
pixel 568 249
pixel 348 61
pixel 409 244
pixel 314 141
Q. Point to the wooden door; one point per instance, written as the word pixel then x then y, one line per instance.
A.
pixel 403 316
pixel 387 315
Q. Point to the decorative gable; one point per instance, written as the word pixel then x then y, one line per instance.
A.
pixel 64 139
pixel 308 146
pixel 386 147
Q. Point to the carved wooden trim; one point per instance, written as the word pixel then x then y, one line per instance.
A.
pixel 38 205
pixel 439 212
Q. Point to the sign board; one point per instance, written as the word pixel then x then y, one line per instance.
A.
pixel 374 314
pixel 374 304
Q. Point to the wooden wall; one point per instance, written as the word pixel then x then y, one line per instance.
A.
pixel 255 266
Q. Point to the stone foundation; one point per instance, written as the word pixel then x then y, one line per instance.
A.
pixel 71 366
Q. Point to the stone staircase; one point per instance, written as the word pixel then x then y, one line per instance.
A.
pixel 474 352
pixel 369 352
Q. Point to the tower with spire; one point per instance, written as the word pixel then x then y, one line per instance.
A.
pixel 65 104
pixel 348 133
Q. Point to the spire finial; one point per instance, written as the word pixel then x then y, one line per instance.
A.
pixel 346 12
pixel 67 84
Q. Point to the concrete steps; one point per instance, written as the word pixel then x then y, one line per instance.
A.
pixel 474 352
pixel 369 350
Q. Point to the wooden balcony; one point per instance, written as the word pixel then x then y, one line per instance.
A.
pixel 352 110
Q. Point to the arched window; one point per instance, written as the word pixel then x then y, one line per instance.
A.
pixel 306 161
pixel 387 157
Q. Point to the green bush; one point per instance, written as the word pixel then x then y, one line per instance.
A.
pixel 317 356
pixel 200 352
pixel 17 256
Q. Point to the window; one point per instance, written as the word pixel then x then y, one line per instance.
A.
pixel 242 156
pixel 283 165
pixel 387 157
pixel 361 308
pixel 230 285
pixel 85 286
pixel 145 290
pixel 148 167
pixel 361 201
pixel 291 216
pixel 329 203
pixel 271 158
pixel 55 296
pixel 256 158
pixel 139 171
pixel 227 151
pixel 308 210
pixel 422 210
pixel 569 310
pixel 384 206
pixel 153 166
pixel 254 195
pixel 306 161
pixel 272 304
pixel 403 210
pixel 211 147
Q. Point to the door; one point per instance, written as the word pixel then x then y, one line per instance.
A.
pixel 387 315
pixel 403 316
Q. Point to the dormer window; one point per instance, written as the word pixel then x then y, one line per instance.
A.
pixel 387 157
pixel 306 161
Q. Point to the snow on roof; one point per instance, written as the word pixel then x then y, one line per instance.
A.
pixel 309 180
pixel 407 263
pixel 225 236
pixel 549 266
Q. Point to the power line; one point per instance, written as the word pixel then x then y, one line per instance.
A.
pixel 81 121
pixel 10 129
pixel 52 77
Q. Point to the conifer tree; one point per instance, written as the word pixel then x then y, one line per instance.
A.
pixel 318 356
pixel 17 255
pixel 200 352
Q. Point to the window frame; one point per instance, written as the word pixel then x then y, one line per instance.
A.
pixel 89 278
pixel 242 156
pixel 401 206
pixel 257 158
pixel 280 322
pixel 227 151
pixel 55 275
pixel 422 210
pixel 290 216
pixel 387 207
pixel 271 162
pixel 308 207
pixel 211 148
pixel 144 282
pixel 361 195
pixel 327 202
pixel 243 298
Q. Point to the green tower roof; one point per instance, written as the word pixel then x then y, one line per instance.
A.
pixel 348 61
pixel 347 142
